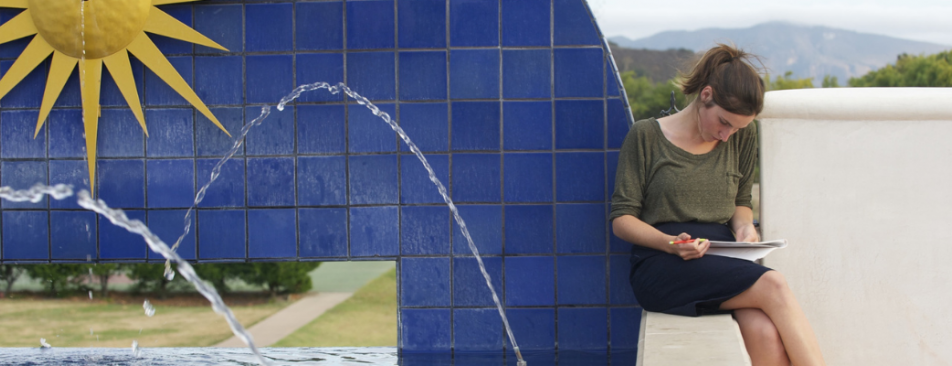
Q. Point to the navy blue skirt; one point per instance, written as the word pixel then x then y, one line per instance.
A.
pixel 666 283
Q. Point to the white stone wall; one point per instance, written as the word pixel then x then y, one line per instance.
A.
pixel 859 180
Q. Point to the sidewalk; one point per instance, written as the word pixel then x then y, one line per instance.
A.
pixel 334 282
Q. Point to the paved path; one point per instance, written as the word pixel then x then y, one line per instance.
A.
pixel 333 282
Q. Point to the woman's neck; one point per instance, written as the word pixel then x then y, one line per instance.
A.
pixel 683 130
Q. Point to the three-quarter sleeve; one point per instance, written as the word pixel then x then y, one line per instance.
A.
pixel 746 164
pixel 630 176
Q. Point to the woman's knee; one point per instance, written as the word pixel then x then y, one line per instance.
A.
pixel 774 284
pixel 755 324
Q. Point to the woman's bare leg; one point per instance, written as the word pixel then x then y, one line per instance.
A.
pixel 761 338
pixel 772 295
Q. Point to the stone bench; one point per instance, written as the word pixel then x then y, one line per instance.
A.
pixel 673 340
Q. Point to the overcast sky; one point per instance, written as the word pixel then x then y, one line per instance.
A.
pixel 921 20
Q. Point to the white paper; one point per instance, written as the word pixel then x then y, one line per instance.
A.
pixel 745 250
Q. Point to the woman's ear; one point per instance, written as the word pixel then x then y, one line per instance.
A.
pixel 706 96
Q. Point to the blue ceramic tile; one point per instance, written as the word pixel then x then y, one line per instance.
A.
pixel 579 124
pixel 580 176
pixel 271 182
pixel 425 230
pixel 624 328
pixel 14 48
pixel 475 357
pixel 320 129
pixel 424 282
pixel 322 180
pixel 221 23
pixel 573 24
pixel 182 13
pixel 23 175
pixel 72 172
pixel 624 355
pixel 110 96
pixel 528 177
pixel 17 134
pixel 422 75
pixel 475 126
pixel 272 233
pixel 319 26
pixel 72 235
pixel 469 285
pixel 268 78
pixel 525 22
pixel 426 124
pixel 477 330
pixel 169 225
pixel 476 177
pixel 66 133
pixel 526 74
pixel 369 133
pixel 617 123
pixel 583 328
pixel 221 234
pixel 474 23
pixel 323 232
pixel 171 183
pixel 170 133
pixel 527 125
pixel 421 24
pixel 535 327
pixel 275 135
pixel 474 74
pixel 374 231
pixel 118 243
pixel 620 288
pixel 26 235
pixel 121 136
pixel 578 72
pixel 229 189
pixel 370 24
pixel 319 67
pixel 425 330
pixel 580 228
pixel 611 162
pixel 158 93
pixel 581 280
pixel 424 358
pixel 121 183
pixel 484 223
pixel 530 281
pixel 269 27
pixel 218 80
pixel 28 93
pixel 373 179
pixel 529 229
pixel 611 82
pixel 372 74
pixel 70 95
pixel 416 186
pixel 211 140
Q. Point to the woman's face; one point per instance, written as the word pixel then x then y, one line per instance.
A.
pixel 716 123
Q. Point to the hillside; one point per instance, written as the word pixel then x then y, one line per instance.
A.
pixel 808 51
pixel 656 65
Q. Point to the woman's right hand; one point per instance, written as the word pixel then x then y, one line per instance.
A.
pixel 691 250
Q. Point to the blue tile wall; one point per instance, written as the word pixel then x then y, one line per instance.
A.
pixel 514 103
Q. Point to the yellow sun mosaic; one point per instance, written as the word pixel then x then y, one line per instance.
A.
pixel 93 34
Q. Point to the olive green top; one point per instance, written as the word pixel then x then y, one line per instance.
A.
pixel 659 182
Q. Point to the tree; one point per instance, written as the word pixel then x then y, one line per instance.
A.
pixel 9 274
pixel 787 81
pixel 647 98
pixel 151 277
pixel 280 277
pixel 217 273
pixel 830 82
pixel 102 272
pixel 55 276
pixel 911 71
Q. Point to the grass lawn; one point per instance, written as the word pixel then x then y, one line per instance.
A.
pixel 80 322
pixel 367 319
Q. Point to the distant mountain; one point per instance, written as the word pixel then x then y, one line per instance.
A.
pixel 656 65
pixel 808 51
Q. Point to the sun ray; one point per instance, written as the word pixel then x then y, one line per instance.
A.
pixel 91 76
pixel 37 51
pixel 18 4
pixel 18 27
pixel 161 23
pixel 166 2
pixel 60 69
pixel 121 71
pixel 146 51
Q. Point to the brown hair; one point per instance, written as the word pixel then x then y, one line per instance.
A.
pixel 737 86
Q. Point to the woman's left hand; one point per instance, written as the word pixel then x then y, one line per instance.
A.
pixel 747 233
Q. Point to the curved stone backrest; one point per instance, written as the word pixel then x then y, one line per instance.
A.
pixel 515 103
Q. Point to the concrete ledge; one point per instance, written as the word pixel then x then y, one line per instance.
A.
pixel 672 340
